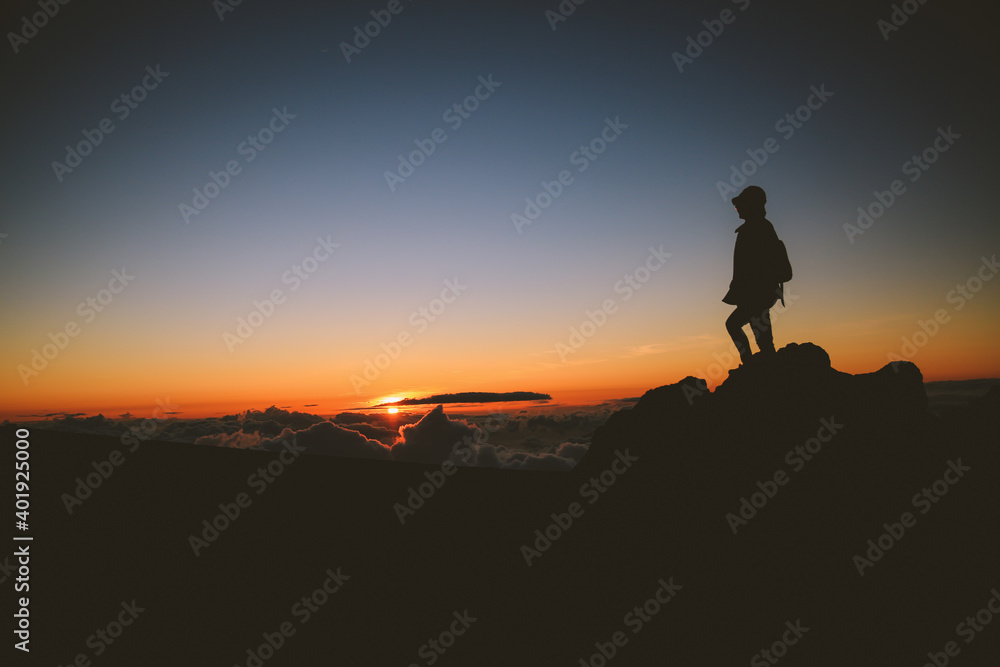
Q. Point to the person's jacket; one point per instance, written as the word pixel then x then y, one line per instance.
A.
pixel 753 265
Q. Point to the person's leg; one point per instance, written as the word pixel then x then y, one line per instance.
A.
pixel 734 325
pixel 760 324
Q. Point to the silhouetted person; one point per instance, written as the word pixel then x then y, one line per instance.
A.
pixel 753 289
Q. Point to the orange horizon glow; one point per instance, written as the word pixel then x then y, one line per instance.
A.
pixel 156 371
pixel 649 370
pixel 389 399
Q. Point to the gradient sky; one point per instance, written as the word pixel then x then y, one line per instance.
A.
pixel 324 176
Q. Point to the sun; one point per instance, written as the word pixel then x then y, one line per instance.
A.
pixel 389 399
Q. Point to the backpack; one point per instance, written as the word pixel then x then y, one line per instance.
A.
pixel 782 267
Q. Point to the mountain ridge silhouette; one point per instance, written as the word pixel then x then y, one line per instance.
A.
pixel 650 504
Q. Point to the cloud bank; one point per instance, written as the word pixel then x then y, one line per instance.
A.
pixel 544 442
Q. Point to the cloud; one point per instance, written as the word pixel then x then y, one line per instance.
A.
pixel 354 418
pixel 266 429
pixel 98 424
pixel 190 430
pixel 644 350
pixel 384 435
pixel 547 431
pixel 436 438
pixel 566 456
pixel 293 420
pixel 433 438
pixel 238 439
pixel 525 461
pixel 572 450
pixel 328 439
pixel 531 443
pixel 567 422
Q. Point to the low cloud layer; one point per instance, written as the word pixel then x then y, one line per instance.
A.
pixel 537 443
pixel 437 438
pixel 328 439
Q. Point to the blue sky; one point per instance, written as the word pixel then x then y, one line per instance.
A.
pixel 324 175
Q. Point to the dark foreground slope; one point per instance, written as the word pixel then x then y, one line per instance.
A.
pixel 825 461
